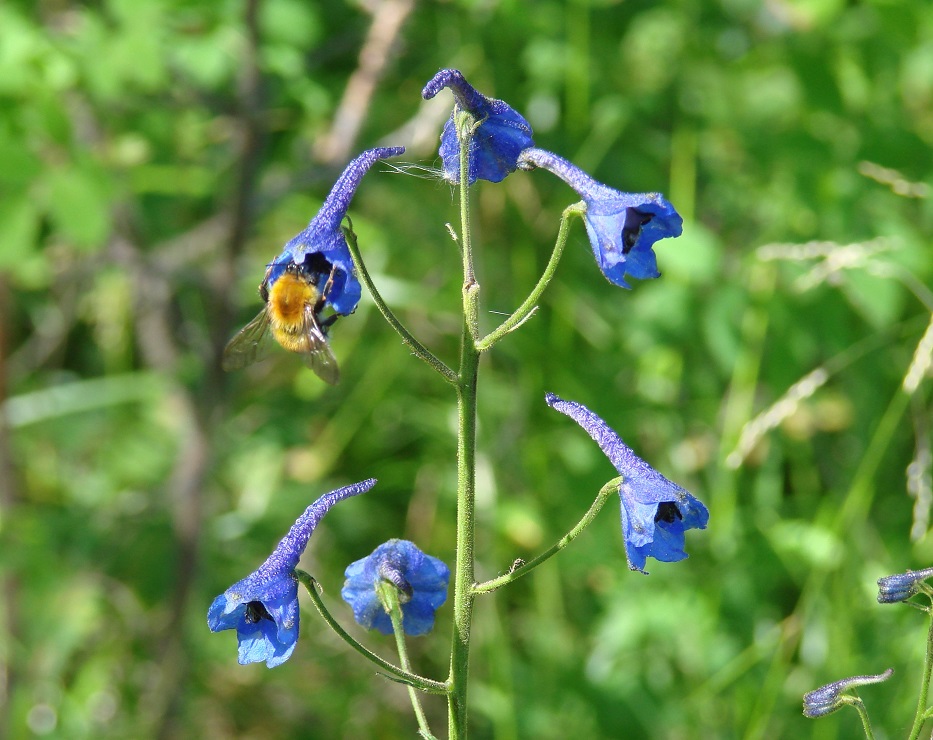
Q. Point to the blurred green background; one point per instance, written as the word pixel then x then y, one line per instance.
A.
pixel 155 154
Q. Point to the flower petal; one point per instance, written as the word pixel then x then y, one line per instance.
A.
pixel 622 227
pixel 263 607
pixel 499 135
pixel 655 512
pixel 323 237
pixel 421 580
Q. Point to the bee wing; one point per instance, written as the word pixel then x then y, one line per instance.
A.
pixel 251 344
pixel 319 356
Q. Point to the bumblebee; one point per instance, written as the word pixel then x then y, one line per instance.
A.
pixel 294 301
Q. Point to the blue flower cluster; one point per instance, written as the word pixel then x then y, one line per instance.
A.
pixel 622 227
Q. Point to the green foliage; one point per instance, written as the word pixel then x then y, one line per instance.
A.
pixel 146 179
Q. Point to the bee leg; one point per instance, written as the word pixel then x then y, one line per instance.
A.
pixel 329 284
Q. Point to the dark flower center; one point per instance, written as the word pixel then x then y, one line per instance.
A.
pixel 634 221
pixel 667 512
pixel 255 610
pixel 316 264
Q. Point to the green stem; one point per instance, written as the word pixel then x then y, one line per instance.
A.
pixel 464 567
pixel 866 722
pixel 417 348
pixel 517 572
pixel 396 673
pixel 527 309
pixel 388 595
pixel 921 715
pixel 470 286
pixel 466 472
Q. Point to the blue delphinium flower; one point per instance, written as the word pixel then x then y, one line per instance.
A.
pixel 421 581
pixel 263 607
pixel 322 247
pixel 901 586
pixel 827 699
pixel 655 511
pixel 500 133
pixel 622 227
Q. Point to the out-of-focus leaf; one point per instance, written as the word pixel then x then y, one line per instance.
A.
pixel 19 226
pixel 78 204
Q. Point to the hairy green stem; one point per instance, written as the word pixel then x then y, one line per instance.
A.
pixel 466 126
pixel 417 348
pixel 866 722
pixel 464 566
pixel 466 470
pixel 396 673
pixel 921 715
pixel 522 569
pixel 388 595
pixel 527 309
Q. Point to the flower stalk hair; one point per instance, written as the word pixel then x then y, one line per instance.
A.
pixel 321 246
pixel 263 607
pixel 497 134
pixel 655 512
pixel 622 227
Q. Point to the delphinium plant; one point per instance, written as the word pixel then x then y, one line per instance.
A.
pixel 316 280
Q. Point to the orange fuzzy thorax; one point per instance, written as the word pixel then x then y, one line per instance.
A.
pixel 289 296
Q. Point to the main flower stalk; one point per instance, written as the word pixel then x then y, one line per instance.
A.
pixel 466 472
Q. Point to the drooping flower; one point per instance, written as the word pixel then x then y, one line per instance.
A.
pixel 500 133
pixel 901 586
pixel 655 511
pixel 421 581
pixel 322 247
pixel 263 607
pixel 622 227
pixel 827 699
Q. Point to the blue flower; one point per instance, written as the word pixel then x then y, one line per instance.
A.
pixel 622 227
pixel 655 511
pixel 322 247
pixel 263 607
pixel 901 586
pixel 420 579
pixel 498 138
pixel 827 699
